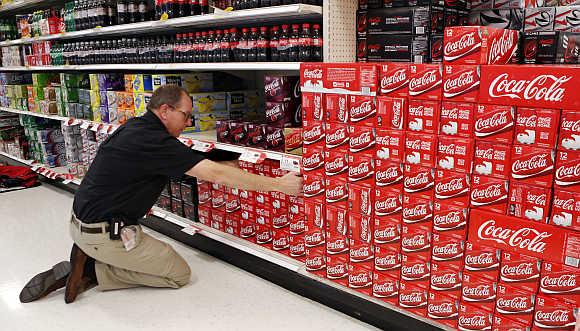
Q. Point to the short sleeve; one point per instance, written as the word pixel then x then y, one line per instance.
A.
pixel 174 159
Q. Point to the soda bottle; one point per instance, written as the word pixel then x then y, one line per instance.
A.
pixel 101 14
pixel 203 47
pixel 158 9
pixel 208 48
pixel 225 47
pixel 316 43
pixel 217 46
pixel 262 45
pixel 275 2
pixel 252 45
pixel 243 46
pixel 204 7
pixel 132 11
pixel 195 7
pixel 293 43
pixel 283 44
pixel 121 12
pixel 170 8
pixel 143 9
pixel 110 18
pixel 234 44
pixel 274 36
pixel 305 44
pixel 197 48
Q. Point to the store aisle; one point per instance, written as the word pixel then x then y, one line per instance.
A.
pixel 221 297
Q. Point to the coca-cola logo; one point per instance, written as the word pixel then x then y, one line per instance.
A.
pixel 337 193
pixel 534 165
pixel 467 44
pixel 388 262
pixel 363 111
pixel 445 281
pixel 388 205
pixel 537 199
pixel 337 138
pixel 451 220
pixel 312 73
pixel 385 289
pixel 293 140
pixel 429 81
pixel 336 166
pixel 360 171
pixel 360 280
pixel 232 205
pixel 275 138
pixel 467 81
pixel 275 113
pixel 361 254
pixel 475 322
pixel 389 176
pixel 569 125
pixel 364 141
pixel 447 252
pixel 564 204
pixel 559 284
pixel 452 188
pixel 551 318
pixel 503 48
pixel 297 249
pixel 337 246
pixel 280 221
pixel 387 234
pixel 313 134
pixel 489 125
pixel 481 261
pixel 315 263
pixel 442 310
pixel 247 231
pixel 297 227
pixel 314 239
pixel 421 181
pixel 264 237
pixel 313 189
pixel 544 87
pixel 417 213
pixel 336 271
pixel 312 162
pixel 414 299
pixel 487 195
pixel 478 293
pixel 415 271
pixel 394 81
pixel 522 237
pixel 415 243
pixel 515 305
pixel 518 272
pixel 280 243
pixel 568 174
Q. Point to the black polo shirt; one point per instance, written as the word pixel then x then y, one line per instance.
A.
pixel 130 170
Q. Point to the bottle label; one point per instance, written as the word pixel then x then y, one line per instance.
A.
pixel 283 44
pixel 225 45
pixel 317 42
pixel 121 8
pixel 262 43
pixel 274 43
pixel 251 44
pixel 305 41
pixel 243 45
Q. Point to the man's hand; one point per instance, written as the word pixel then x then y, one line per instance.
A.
pixel 291 184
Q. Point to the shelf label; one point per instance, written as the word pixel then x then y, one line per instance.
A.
pixel 35 167
pixel 186 141
pixel 86 125
pixel 253 156
pixel 190 230
pixel 202 146
pixel 97 128
pixel 105 129
pixel 67 179
pixel 290 163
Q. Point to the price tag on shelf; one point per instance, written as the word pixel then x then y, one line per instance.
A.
pixel 190 230
pixel 97 128
pixel 105 128
pixel 202 146
pixel 186 141
pixel 68 178
pixel 85 125
pixel 35 167
pixel 253 156
pixel 290 163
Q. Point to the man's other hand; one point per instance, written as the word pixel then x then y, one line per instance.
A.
pixel 291 184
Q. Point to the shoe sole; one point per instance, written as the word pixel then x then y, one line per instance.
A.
pixel 44 283
pixel 73 282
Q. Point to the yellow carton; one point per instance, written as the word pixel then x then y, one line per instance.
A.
pixel 197 82
pixel 94 82
pixel 209 102
pixel 142 83
pixel 129 83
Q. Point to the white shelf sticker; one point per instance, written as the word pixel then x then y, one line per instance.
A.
pixel 97 128
pixel 290 163
pixel 190 230
pixel 104 128
pixel 252 156
pixel 202 146
pixel 35 167
pixel 186 141
pixel 85 125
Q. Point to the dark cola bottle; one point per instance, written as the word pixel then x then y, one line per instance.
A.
pixel 316 43
pixel 178 48
pixel 151 50
pixel 243 45
pixel 204 46
pixel 253 45
pixel 274 37
pixel 122 12
pixel 283 44
pixel 195 7
pixel 217 46
pixel 209 46
pixel 305 44
pixel 293 43
pixel 197 48
pixel 170 47
pixel 233 48
pixel 132 10
pixel 189 53
pixel 204 7
pixel 158 9
pixel 262 45
pixel 143 10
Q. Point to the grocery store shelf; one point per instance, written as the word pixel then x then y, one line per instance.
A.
pixel 247 17
pixel 218 66
pixel 18 6
pixel 53 173
pixel 22 112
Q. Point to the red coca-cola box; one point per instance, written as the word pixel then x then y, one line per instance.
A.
pixel 315 261
pixel 361 199
pixel 360 279
pixel 264 216
pixel 461 82
pixel 313 160
pixel 391 113
pixel 425 81
pixel 362 110
pixel 455 154
pixel 533 165
pixel 390 144
pixel 385 287
pixel 447 251
pixel 515 304
pixel 450 220
pixel 394 79
pixel 520 271
pixel 443 309
pixel 314 237
pixel 264 236
pixel 361 170
pixel 337 192
pixel 417 210
pixel 388 202
pixel 218 201
pixel 337 269
pixel 248 230
pixel 388 260
pixel 503 323
pixel 416 241
pixel 482 261
pixel 204 193
pixel 474 317
pixel 247 197
pixel 337 245
pixel 263 200
pixel 313 134
pixel 337 137
pixel 293 141
pixel 387 232
pixel 314 187
pixel 312 106
pixel 423 116
pixel 492 159
pixel 480 45
pixel 351 78
pixel 388 173
pixel 569 138
pixel 489 193
pixel 479 291
pixel 336 164
pixel 421 149
pixel 280 221
pixel 297 226
pixel 566 209
pixel 530 202
pixel 248 212
pixel 204 215
pixel 495 123
pixel 453 188
pixel 312 77
pixel 446 280
pixel 336 107
pixel 567 174
pixel 281 241
pixel 360 228
pixel 362 140
pixel 337 220
pixel 361 254
pixel 560 281
pixel 419 180
pixel 553 314
pixel 413 298
pixel 457 119
pixel 232 203
pixel 537 127
pixel 297 248
pixel 314 214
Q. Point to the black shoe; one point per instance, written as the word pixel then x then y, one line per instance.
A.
pixel 78 281
pixel 44 283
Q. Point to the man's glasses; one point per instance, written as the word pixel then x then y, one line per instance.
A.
pixel 187 115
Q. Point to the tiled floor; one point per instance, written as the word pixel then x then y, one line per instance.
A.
pixel 221 297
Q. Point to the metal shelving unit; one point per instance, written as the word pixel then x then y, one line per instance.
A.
pixel 52 173
pixel 228 66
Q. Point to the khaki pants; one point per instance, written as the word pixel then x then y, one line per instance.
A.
pixel 151 263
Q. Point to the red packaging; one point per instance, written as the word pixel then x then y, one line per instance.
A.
pixel 388 202
pixel 495 123
pixel 413 298
pixel 502 323
pixel 281 241
pixel 390 145
pixel 387 232
pixel 360 228
pixel 204 193
pixel 492 159
pixel 314 187
pixel 296 218
pixel 354 78
pixel 394 79
pixel 489 193
pixel 421 149
pixel 445 280
pixel 314 214
pixel 566 209
pixel 337 192
pixel 461 82
pixel 248 230
pixel 264 216
pixel 416 241
pixel 313 161
pixel 559 281
pixel 337 220
pixel 204 214
pixel 263 200
pixel 337 137
pixel 361 199
pixel 314 237
pixel 362 110
pixel 361 170
pixel 337 245
pixel 424 116
pixel 455 154
pixel 388 260
pixel 336 106
pixel 336 164
pixel 443 309
pixel 417 210
pixel 312 106
pixel 480 45
pixel 448 252
pixel 415 270
pixel 362 140
pixel 337 269
pixel 453 188
pixel 567 171
pixel 482 261
pixel 264 236
pixel 474 317
pixel 419 179
pixel 297 248
pixel 391 113
pixel 232 203
pixel 281 221
pixel 386 287
pixel 315 261
pixel 361 254
pixel 553 314
pixel 569 138
pixel 520 271
pixel 529 202
pixel 218 200
pixel 479 291
pixel 360 279
pixel 533 165
pixel 537 127
pixel 388 173
pixel 450 220
pixel 312 77
pixel 515 304
pixel 293 141
pixel 457 119
pixel 313 134
pixel 425 81
pixel 540 240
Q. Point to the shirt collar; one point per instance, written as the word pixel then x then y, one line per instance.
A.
pixel 150 117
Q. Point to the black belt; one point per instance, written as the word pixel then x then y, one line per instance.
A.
pixel 86 229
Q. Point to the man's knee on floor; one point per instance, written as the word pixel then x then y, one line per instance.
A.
pixel 184 276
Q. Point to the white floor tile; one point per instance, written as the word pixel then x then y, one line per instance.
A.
pixel 221 297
